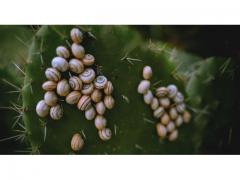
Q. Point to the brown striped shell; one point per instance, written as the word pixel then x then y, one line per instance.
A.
pixel 73 97
pixel 100 82
pixel 84 103
pixel 105 134
pixel 53 74
pixel 75 83
pixel 88 60
pixel 108 88
pixel 56 112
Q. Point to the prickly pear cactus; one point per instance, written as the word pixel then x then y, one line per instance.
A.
pixel 120 54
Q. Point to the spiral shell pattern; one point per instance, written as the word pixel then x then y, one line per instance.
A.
pixel 56 112
pixel 100 82
pixel 105 134
pixel 84 103
pixel 52 74
pixel 75 83
pixel 87 76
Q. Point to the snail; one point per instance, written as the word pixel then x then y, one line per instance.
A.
pixel 173 136
pixel 154 104
pixel 56 112
pixel 78 51
pixel 158 112
pixel 147 72
pixel 90 113
pixel 63 88
pixel 108 88
pixel 75 83
pixel 164 102
pixel 100 122
pixel 186 116
pixel 181 107
pixel 42 109
pixel 109 102
pixel 165 119
pixel 170 126
pixel 87 88
pixel 161 130
pixel 172 91
pixel 76 66
pixel 143 87
pixel 96 96
pixel 73 97
pixel 161 92
pixel 88 60
pixel 62 52
pixel 100 82
pixel 148 97
pixel 77 142
pixel 178 98
pixel 87 76
pixel 49 85
pixel 50 98
pixel 179 121
pixel 105 134
pixel 52 74
pixel 60 64
pixel 76 35
pixel 173 113
pixel 84 103
pixel 100 108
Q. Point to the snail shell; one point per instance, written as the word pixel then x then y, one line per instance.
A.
pixel 100 82
pixel 108 88
pixel 158 112
pixel 52 74
pixel 62 52
pixel 76 35
pixel 78 50
pixel 178 98
pixel 147 72
pixel 154 104
pixel 170 126
pixel 173 136
pixel 73 97
pixel 164 102
pixel 186 116
pixel 109 102
pixel 100 122
pixel 88 60
pixel 84 103
pixel 87 89
pixel 50 98
pixel 148 97
pixel 90 113
pixel 56 112
pixel 143 87
pixel 173 113
pixel 96 96
pixel 76 66
pixel 100 108
pixel 60 64
pixel 75 83
pixel 49 85
pixel 42 109
pixel 161 92
pixel 63 88
pixel 181 107
pixel 179 121
pixel 172 91
pixel 161 130
pixel 77 142
pixel 87 76
pixel 105 134
pixel 165 119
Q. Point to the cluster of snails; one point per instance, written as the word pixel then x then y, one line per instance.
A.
pixel 168 106
pixel 91 92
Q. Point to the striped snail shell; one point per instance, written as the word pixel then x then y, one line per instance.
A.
pixel 158 112
pixel 164 102
pixel 75 83
pixel 90 113
pixel 108 88
pixel 173 113
pixel 76 35
pixel 84 103
pixel 161 92
pixel 172 90
pixel 62 52
pixel 154 104
pixel 76 66
pixel 87 89
pixel 148 97
pixel 96 95
pixel 78 51
pixel 105 134
pixel 60 64
pixel 56 112
pixel 100 122
pixel 179 121
pixel 63 88
pixel 147 72
pixel 50 98
pixel 181 107
pixel 100 108
pixel 161 130
pixel 173 136
pixel 73 97
pixel 165 119
pixel 186 116
pixel 77 142
pixel 100 82
pixel 49 85
pixel 143 87
pixel 109 102
pixel 52 74
pixel 88 60
pixel 178 98
pixel 88 75
pixel 42 109
pixel 170 126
